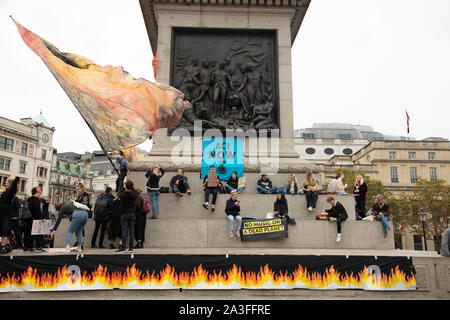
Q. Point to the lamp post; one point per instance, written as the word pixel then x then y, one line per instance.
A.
pixel 423 217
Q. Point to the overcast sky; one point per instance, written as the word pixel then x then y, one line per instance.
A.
pixel 354 61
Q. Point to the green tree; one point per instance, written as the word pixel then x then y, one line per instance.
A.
pixel 374 187
pixel 432 197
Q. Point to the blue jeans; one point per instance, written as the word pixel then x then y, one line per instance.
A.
pixel 79 220
pixel 181 187
pixel 384 223
pixel 266 191
pixel 154 202
pixel 127 222
pixel 229 188
pixel 283 190
pixel 231 219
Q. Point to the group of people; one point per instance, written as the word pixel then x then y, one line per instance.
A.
pixel 123 216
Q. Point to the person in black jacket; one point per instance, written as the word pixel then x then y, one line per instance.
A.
pixel 280 206
pixel 128 214
pixel 360 190
pixel 141 220
pixel 6 199
pixel 153 177
pixel 179 184
pixel 232 210
pixel 14 221
pixel 264 185
pixel 233 184
pixel 36 241
pixel 338 212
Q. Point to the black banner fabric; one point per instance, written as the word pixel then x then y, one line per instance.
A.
pixel 143 271
pixel 258 229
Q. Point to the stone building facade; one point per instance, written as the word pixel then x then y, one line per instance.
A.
pixel 26 151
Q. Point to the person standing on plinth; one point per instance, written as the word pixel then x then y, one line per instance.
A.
pixel 123 170
pixel 211 183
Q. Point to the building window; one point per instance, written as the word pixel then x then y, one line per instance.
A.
pixel 345 136
pixel 411 155
pixel 308 135
pixel 329 151
pixel 418 245
pixel 5 164
pixel 413 174
pixel 6 144
pixel 3 180
pixel 347 151
pixel 43 154
pixel 433 174
pixel 96 173
pixel 310 150
pixel 22 167
pixel 392 155
pixel 108 172
pixel 23 185
pixel 24 148
pixel 41 172
pixel 431 155
pixel 394 174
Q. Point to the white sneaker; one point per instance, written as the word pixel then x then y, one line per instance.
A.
pixel 65 250
pixel 238 234
pixel 333 219
pixel 338 239
pixel 231 235
pixel 310 209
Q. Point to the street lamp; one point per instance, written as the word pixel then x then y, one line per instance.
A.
pixel 423 217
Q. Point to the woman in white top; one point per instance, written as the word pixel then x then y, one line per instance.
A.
pixel 340 186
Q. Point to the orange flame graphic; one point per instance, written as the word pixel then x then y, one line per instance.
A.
pixel 199 278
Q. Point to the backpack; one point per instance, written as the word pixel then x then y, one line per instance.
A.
pixel 146 206
pixel 26 213
pixel 332 186
pixel 101 207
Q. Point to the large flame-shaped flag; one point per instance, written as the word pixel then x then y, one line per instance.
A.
pixel 121 111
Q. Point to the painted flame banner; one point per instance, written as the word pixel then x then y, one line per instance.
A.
pixel 223 275
pixel 121 111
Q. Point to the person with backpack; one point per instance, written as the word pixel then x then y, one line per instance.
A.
pixel 142 208
pixel 6 198
pixel 102 214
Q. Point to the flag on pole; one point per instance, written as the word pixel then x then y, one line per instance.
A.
pixel 407 122
pixel 121 111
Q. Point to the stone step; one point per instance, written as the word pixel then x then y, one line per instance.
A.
pixel 213 233
pixel 279 180
pixel 252 205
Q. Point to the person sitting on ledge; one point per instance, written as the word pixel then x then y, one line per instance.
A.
pixel 233 183
pixel 265 185
pixel 310 187
pixel 380 210
pixel 232 210
pixel 338 212
pixel 340 186
pixel 292 186
pixel 179 184
pixel 211 183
